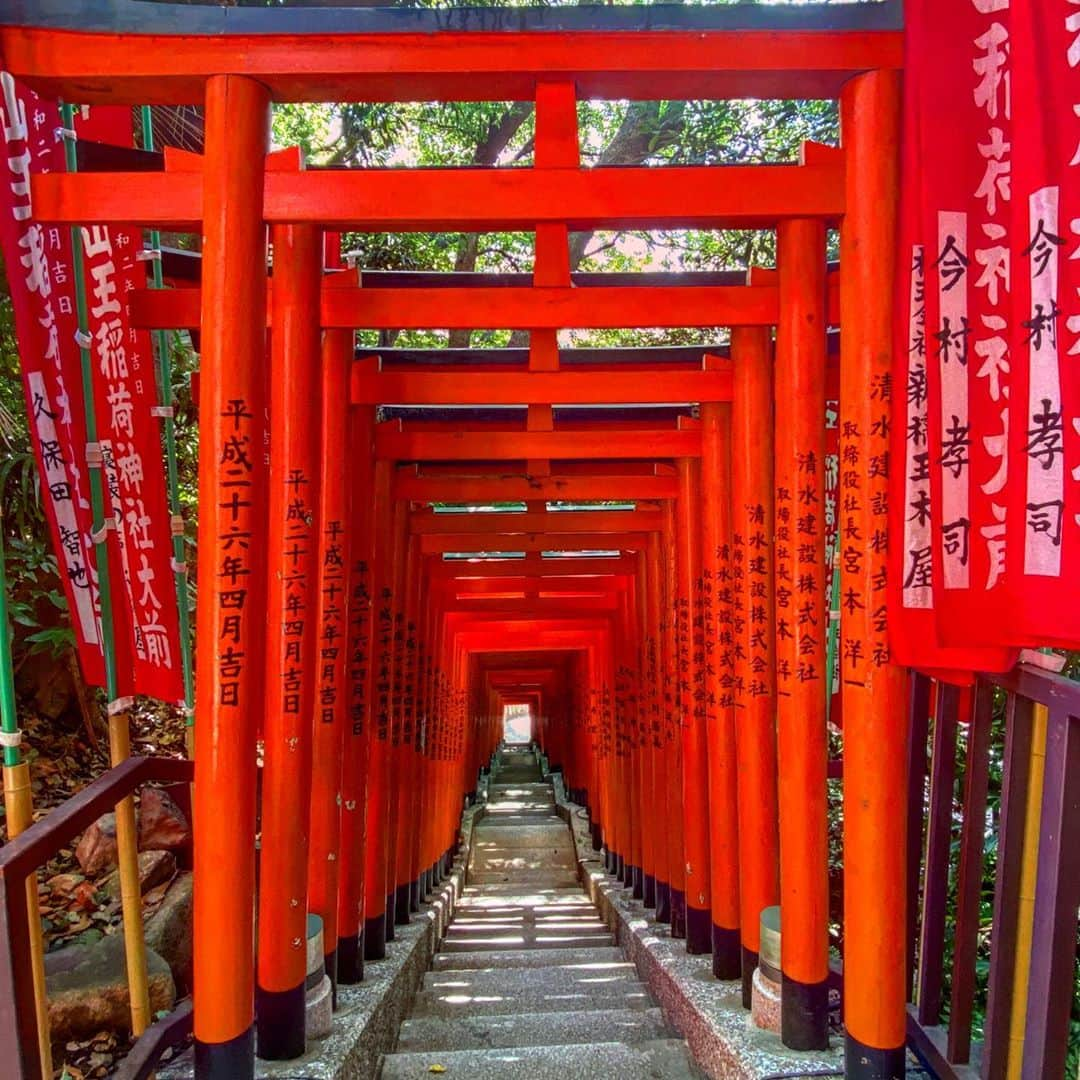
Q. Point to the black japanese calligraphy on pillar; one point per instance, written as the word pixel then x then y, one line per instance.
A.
pixel 359 646
pixel 234 568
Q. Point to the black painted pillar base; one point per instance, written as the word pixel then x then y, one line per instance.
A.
pixel 648 890
pixel 402 899
pixel 375 938
pixel 863 1062
pixel 597 835
pixel 804 1014
pixel 350 959
pixel 607 858
pixel 726 953
pixel 279 1023
pixel 678 913
pixel 663 902
pixel 749 966
pixel 391 914
pixel 637 883
pixel 620 868
pixel 698 931
pixel 415 895
pixel 232 1060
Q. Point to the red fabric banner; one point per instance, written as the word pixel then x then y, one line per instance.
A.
pixel 39 262
pixel 1043 554
pixel 39 270
pixel 129 432
pixel 979 488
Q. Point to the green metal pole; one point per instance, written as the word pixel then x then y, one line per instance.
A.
pixel 97 498
pixel 9 723
pixel 19 814
pixel 834 630
pixel 119 725
pixel 169 423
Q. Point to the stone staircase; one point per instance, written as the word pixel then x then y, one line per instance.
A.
pixel 528 981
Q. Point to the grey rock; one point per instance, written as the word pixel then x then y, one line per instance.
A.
pixel 96 849
pixel 155 867
pixel 88 989
pixel 168 930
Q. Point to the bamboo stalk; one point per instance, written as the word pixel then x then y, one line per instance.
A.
pixel 1026 900
pixel 19 813
pixel 119 737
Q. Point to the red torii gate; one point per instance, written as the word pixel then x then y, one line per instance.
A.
pixel 234 191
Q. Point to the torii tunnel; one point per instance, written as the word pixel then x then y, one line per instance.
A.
pixel 630 541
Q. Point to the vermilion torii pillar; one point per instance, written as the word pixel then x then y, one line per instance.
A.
pixel 332 704
pixel 695 755
pixel 382 633
pixel 398 559
pixel 752 620
pixel 292 639
pixel 646 690
pixel 873 688
pixel 655 673
pixel 801 627
pixel 360 673
pixel 667 583
pixel 230 628
pixel 719 693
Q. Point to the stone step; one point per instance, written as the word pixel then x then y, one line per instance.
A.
pixel 496 912
pixel 489 931
pixel 604 1059
pixel 523 893
pixel 555 835
pixel 500 943
pixel 627 1026
pixel 512 860
pixel 538 916
pixel 449 1004
pixel 494 928
pixel 588 920
pixel 527 958
pixel 509 982
pixel 543 878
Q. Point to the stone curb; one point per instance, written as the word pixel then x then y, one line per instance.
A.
pixel 707 1012
pixel 370 1013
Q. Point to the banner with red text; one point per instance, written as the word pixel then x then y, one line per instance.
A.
pixel 1043 555
pixel 39 263
pixel 39 271
pixel 959 596
pixel 129 432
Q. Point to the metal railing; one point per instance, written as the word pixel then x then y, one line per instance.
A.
pixel 1016 970
pixel 20 858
